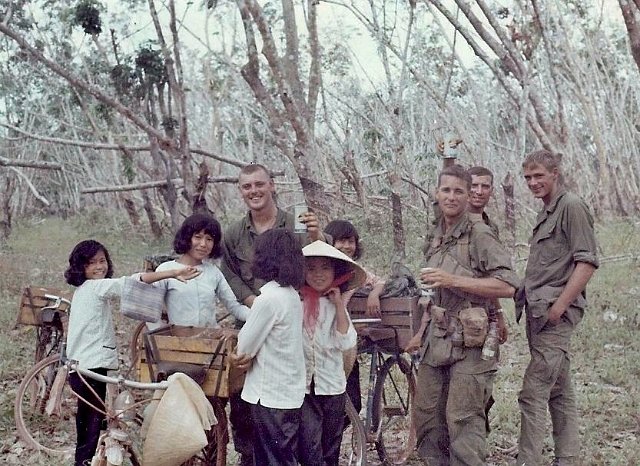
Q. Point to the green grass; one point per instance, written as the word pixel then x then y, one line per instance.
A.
pixel 606 348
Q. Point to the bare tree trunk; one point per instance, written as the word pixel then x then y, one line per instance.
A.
pixel 509 211
pixel 131 210
pixel 399 240
pixel 6 222
pixel 631 14
pixel 156 229
pixel 199 203
pixel 352 175
pixel 289 115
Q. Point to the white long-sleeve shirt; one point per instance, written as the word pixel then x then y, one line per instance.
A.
pixel 194 302
pixel 323 352
pixel 273 335
pixel 91 336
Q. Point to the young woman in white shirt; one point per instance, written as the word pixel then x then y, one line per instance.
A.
pixel 199 243
pixel 91 338
pixel 270 347
pixel 327 333
pixel 346 239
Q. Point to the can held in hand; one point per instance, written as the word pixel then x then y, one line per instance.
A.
pixel 298 211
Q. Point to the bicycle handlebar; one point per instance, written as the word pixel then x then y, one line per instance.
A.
pixel 73 365
pixel 58 300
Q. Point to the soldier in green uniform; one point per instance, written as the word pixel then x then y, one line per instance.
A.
pixel 468 267
pixel 481 192
pixel 562 259
pixel 258 193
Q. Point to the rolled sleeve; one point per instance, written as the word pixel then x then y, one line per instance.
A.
pixel 578 223
pixel 346 341
pixel 491 258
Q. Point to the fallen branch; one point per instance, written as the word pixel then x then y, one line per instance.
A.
pixel 4 162
pixel 177 182
pixel 32 188
pixel 104 146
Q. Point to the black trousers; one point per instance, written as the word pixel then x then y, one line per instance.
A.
pixel 353 386
pixel 89 422
pixel 275 435
pixel 321 426
pixel 241 427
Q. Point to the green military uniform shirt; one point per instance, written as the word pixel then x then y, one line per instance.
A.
pixel 237 248
pixel 487 258
pixel 562 236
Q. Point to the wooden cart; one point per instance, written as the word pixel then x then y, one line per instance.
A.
pixel 36 299
pixel 400 314
pixel 201 351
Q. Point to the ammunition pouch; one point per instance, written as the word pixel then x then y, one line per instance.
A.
pixel 440 346
pixel 475 325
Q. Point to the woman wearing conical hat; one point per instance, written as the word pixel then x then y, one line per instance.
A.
pixel 327 332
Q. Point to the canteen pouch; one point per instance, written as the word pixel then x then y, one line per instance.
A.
pixel 475 325
pixel 439 345
pixel 439 317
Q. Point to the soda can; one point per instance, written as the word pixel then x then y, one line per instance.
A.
pixel 298 210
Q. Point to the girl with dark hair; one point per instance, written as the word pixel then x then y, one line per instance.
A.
pixel 91 337
pixel 346 239
pixel 198 241
pixel 270 347
pixel 327 333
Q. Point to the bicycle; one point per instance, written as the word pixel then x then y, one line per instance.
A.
pixel 387 422
pixel 45 417
pixel 46 309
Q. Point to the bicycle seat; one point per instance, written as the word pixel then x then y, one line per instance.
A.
pixel 51 316
pixel 377 333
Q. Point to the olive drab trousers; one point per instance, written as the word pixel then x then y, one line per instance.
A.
pixel 547 383
pixel 450 412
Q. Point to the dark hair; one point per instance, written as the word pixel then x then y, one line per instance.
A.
pixel 456 171
pixel 343 229
pixel 195 224
pixel 82 253
pixel 480 171
pixel 278 256
pixel 252 168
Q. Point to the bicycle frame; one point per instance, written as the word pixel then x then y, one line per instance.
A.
pixel 50 332
pixel 115 441
pixel 384 363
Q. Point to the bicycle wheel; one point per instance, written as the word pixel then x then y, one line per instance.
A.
pixel 392 414
pixel 353 451
pixel 53 433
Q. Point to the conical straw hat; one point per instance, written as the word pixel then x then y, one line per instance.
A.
pixel 322 249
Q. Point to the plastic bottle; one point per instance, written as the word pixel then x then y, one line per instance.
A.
pixel 123 404
pixel 491 342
